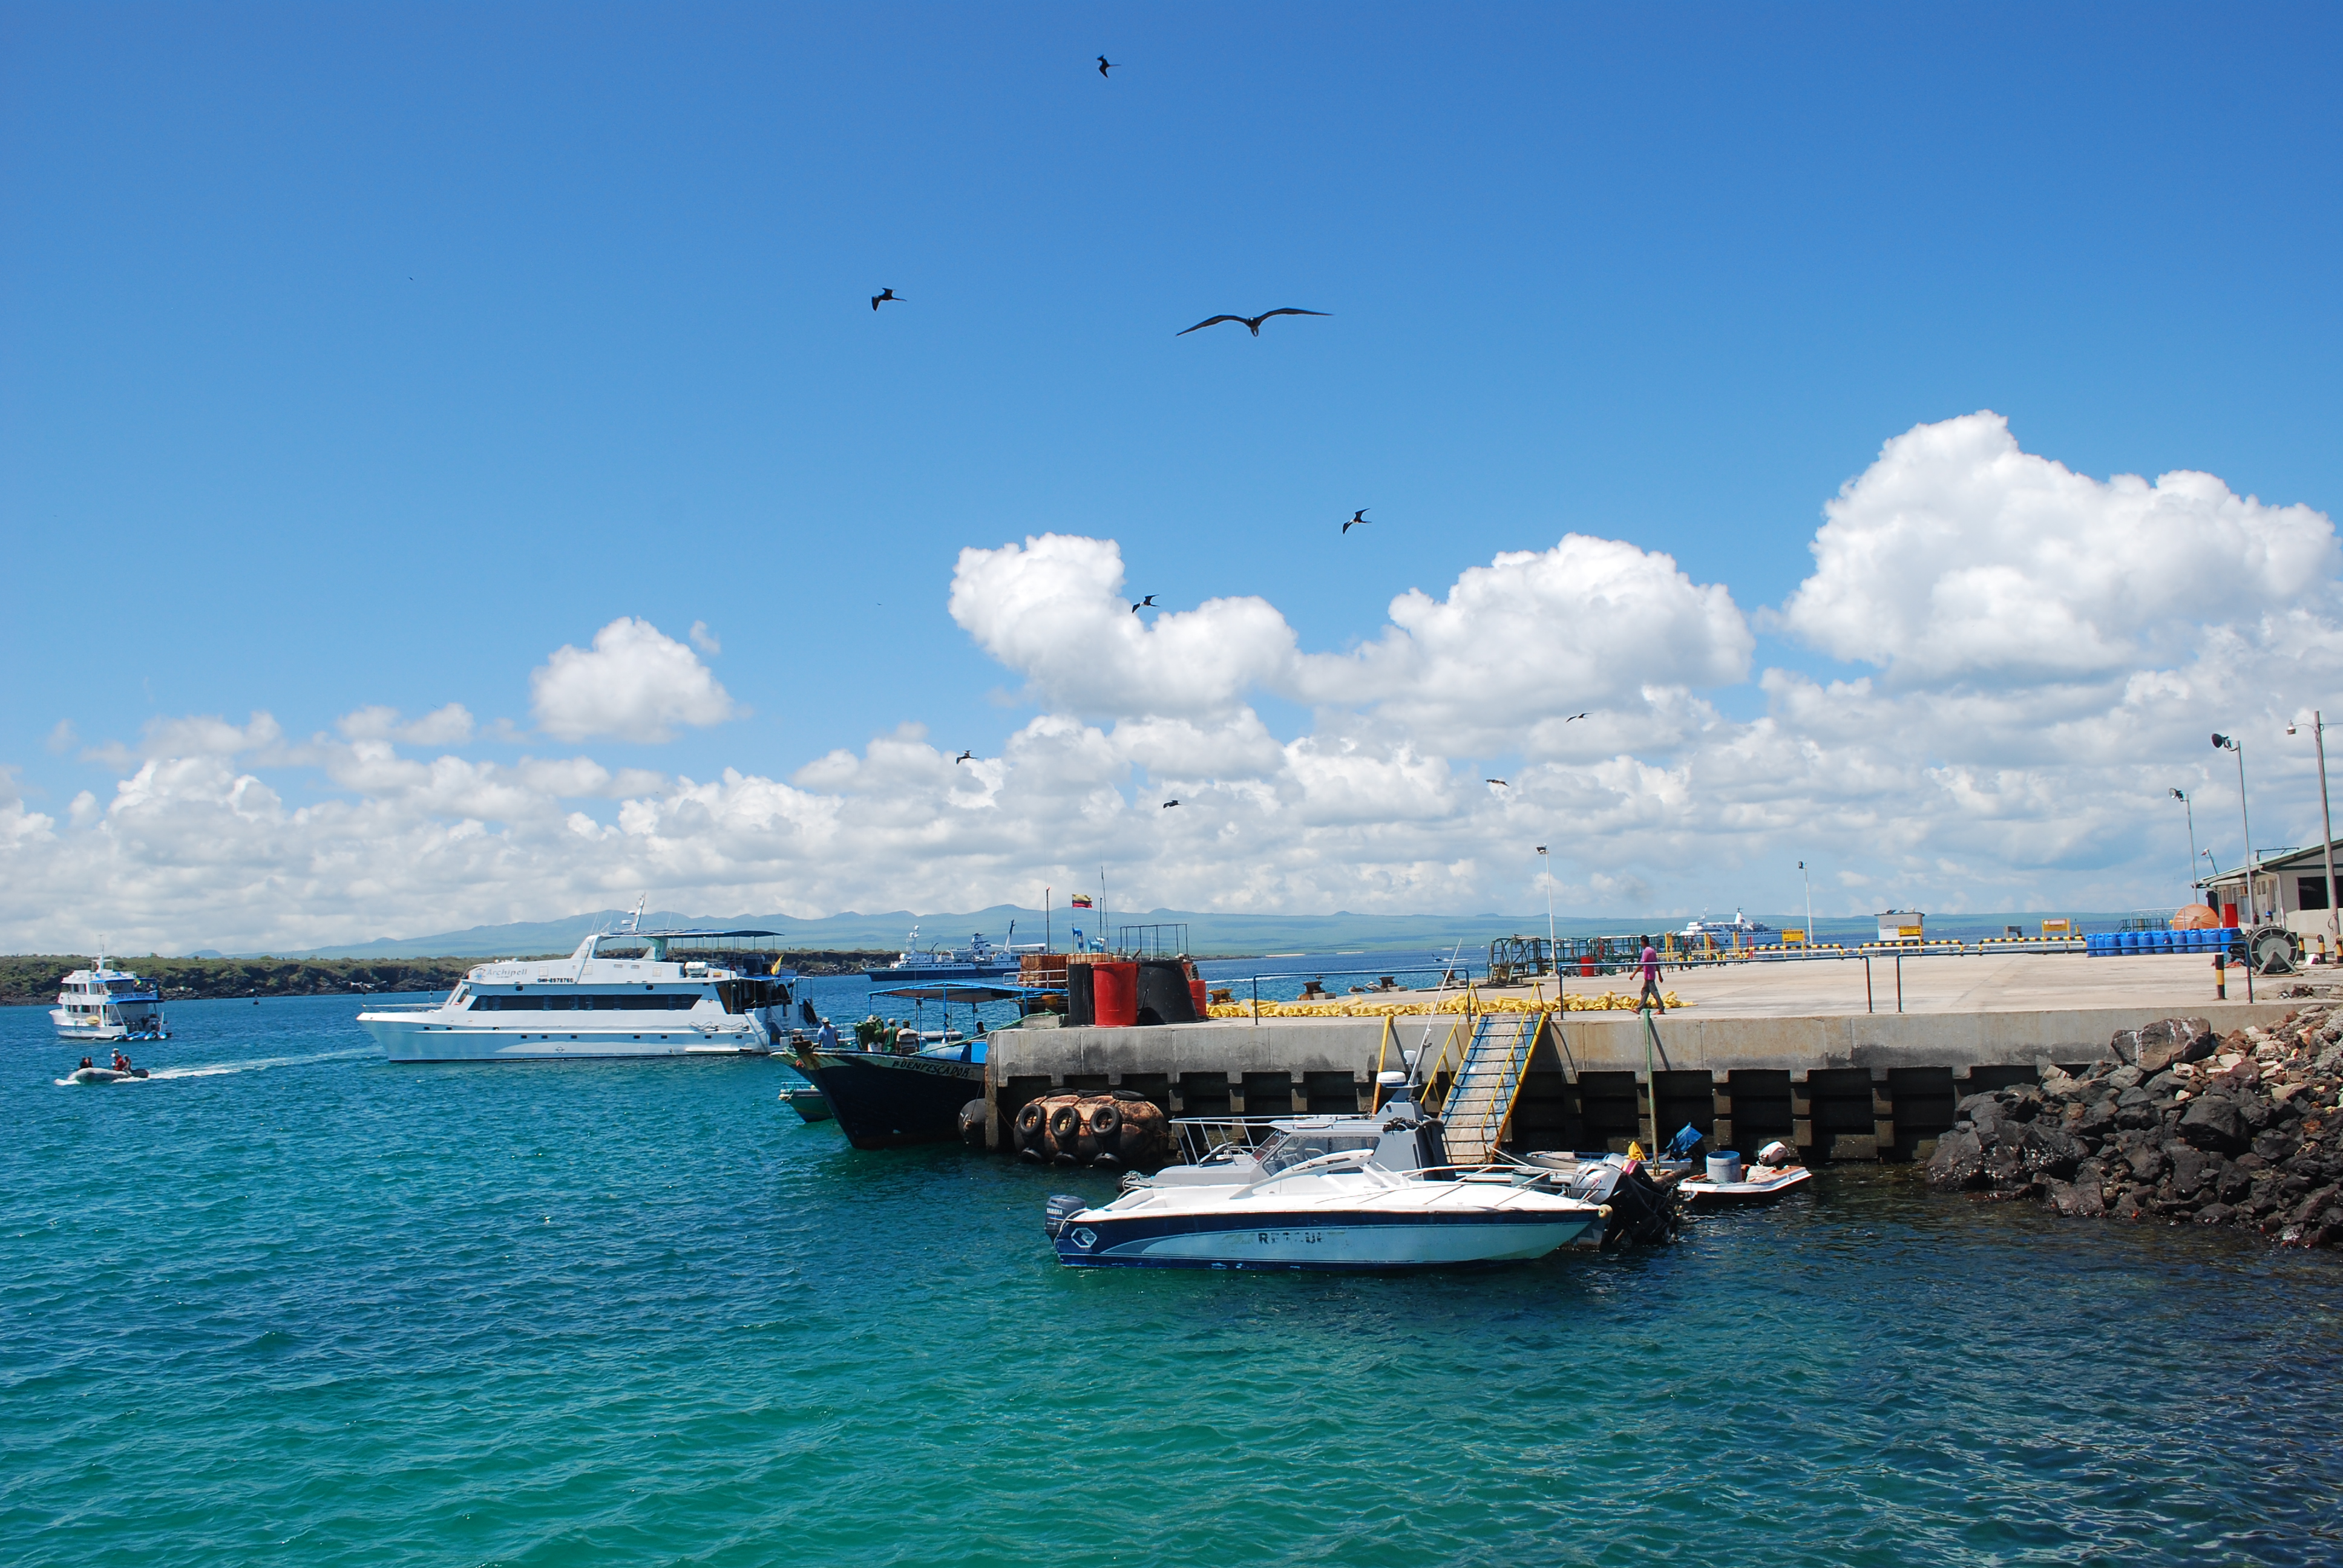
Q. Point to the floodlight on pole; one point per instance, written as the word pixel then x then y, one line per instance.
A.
pixel 2182 797
pixel 2325 821
pixel 2228 743
pixel 1545 862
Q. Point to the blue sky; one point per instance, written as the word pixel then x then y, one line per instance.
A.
pixel 363 356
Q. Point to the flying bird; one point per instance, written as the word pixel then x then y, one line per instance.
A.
pixel 1358 520
pixel 1169 804
pixel 1147 603
pixel 963 757
pixel 1500 783
pixel 1573 718
pixel 1106 65
pixel 1252 321
pixel 884 296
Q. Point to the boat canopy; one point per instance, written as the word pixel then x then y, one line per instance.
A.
pixel 690 939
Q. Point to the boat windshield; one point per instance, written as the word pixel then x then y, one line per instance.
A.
pixel 1292 1148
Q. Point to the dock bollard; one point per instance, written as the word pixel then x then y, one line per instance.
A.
pixel 2220 976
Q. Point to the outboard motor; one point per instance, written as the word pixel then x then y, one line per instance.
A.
pixel 1640 1212
pixel 1062 1207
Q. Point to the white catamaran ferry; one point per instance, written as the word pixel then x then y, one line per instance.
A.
pixel 108 1004
pixel 648 996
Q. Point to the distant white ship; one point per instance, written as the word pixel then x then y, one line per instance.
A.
pixel 978 961
pixel 1739 925
pixel 651 1001
pixel 108 1004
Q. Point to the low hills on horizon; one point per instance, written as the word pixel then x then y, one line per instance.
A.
pixel 1209 934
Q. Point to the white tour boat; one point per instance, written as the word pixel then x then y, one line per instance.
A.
pixel 108 1004
pixel 648 996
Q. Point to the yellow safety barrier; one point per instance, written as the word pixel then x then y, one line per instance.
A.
pixel 1359 1007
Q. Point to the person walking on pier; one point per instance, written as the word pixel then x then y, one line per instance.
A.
pixel 1650 996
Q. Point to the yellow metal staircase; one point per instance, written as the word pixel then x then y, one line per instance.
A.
pixel 1488 1080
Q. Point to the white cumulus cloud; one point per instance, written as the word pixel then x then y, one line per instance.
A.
pixel 1977 760
pixel 1054 610
pixel 635 684
pixel 1956 555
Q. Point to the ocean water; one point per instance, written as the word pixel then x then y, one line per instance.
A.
pixel 286 1303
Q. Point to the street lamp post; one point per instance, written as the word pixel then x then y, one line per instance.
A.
pixel 2325 822
pixel 1545 864
pixel 1808 878
pixel 2228 743
pixel 2191 810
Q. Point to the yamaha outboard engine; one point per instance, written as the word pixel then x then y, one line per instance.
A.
pixel 1062 1207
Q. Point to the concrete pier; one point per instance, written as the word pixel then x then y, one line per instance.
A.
pixel 1764 1051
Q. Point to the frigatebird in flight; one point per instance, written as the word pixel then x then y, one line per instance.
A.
pixel 884 296
pixel 963 757
pixel 1147 603
pixel 1252 321
pixel 1169 804
pixel 1105 66
pixel 1498 782
pixel 1358 520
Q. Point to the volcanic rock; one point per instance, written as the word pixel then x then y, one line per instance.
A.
pixel 2214 1122
pixel 1958 1162
pixel 2167 1041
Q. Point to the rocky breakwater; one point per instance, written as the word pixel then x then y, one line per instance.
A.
pixel 2176 1124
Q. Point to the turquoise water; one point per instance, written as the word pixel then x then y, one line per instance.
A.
pixel 327 1311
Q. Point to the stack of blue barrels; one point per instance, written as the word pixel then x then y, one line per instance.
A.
pixel 2119 944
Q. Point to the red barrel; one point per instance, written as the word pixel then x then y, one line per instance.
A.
pixel 1203 1000
pixel 1114 995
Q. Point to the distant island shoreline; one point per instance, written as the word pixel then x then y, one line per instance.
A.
pixel 32 979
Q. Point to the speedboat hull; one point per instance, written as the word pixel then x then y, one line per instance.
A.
pixel 1299 1239
pixel 888 1102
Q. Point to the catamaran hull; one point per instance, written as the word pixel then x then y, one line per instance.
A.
pixel 404 1041
pixel 1300 1241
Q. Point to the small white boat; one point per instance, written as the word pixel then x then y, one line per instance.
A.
pixel 104 1003
pixel 1367 1192
pixel 809 1102
pixel 1777 1174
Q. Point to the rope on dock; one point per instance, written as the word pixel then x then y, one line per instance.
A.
pixel 1360 1007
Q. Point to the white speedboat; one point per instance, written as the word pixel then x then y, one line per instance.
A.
pixel 1368 1192
pixel 104 1003
pixel 645 997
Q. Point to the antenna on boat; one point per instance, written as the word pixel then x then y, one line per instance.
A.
pixel 635 920
pixel 1425 1044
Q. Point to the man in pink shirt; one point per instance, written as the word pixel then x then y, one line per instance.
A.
pixel 1650 996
